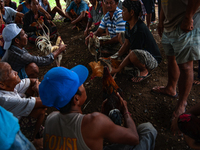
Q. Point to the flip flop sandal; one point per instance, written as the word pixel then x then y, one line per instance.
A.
pixel 143 78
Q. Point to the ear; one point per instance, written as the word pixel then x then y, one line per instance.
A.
pixel 76 100
pixel 17 40
pixel 2 85
pixel 132 12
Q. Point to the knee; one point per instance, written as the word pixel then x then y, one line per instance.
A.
pixel 32 70
pixel 188 66
pixel 147 129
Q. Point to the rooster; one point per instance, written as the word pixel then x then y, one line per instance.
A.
pixel 112 104
pixel 97 69
pixel 44 45
pixel 93 44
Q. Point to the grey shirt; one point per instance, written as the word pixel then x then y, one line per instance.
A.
pixel 9 15
pixel 19 58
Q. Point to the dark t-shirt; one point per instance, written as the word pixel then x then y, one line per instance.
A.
pixel 13 5
pixel 141 38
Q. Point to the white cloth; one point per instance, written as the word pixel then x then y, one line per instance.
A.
pixel 9 15
pixel 16 102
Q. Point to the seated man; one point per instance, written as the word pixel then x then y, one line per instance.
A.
pixel 113 22
pixel 9 14
pixel 11 4
pixel 144 52
pixel 95 15
pixel 77 13
pixel 70 128
pixel 11 137
pixel 46 6
pixel 18 57
pixel 13 93
pixel 32 17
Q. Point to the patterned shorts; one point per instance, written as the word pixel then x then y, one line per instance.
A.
pixel 146 58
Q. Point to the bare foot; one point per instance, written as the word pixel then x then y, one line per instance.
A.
pixel 163 90
pixel 141 77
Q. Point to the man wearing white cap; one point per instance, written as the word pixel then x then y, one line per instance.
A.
pixel 70 129
pixel 18 57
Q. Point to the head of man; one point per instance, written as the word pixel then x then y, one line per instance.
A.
pixel 1 4
pixel 131 9
pixel 63 88
pixel 111 5
pixel 7 2
pixel 8 77
pixel 77 2
pixel 34 5
pixel 13 35
pixel 93 2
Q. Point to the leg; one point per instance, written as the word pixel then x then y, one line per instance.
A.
pixel 147 134
pixel 173 76
pixel 60 12
pixel 58 4
pixel 184 85
pixel 32 70
pixel 38 114
pixel 148 19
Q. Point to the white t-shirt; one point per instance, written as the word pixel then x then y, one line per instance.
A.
pixel 16 102
pixel 9 15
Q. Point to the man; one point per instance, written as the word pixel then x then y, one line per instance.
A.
pixel 149 6
pixel 18 57
pixel 113 22
pixel 180 21
pixel 77 12
pixel 11 137
pixel 95 15
pixel 13 92
pixel 32 17
pixel 11 4
pixel 63 89
pixel 144 52
pixel 9 14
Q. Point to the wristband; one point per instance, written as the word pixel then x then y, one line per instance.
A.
pixel 127 113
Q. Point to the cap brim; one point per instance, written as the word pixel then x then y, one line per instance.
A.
pixel 82 73
pixel 7 45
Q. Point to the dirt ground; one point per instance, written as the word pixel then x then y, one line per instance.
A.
pixel 144 106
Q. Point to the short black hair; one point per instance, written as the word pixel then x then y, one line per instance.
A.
pixel 18 37
pixel 134 5
pixel 67 108
pixel 116 1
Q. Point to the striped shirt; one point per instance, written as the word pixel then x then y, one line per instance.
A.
pixel 114 25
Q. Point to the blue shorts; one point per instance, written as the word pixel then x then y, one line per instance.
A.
pixel 22 74
pixel 184 46
pixel 21 142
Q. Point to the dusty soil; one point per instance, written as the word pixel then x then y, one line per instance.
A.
pixel 144 106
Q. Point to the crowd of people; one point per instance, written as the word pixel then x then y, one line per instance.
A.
pixel 24 99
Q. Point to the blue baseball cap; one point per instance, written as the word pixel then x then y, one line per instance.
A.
pixel 9 33
pixel 61 84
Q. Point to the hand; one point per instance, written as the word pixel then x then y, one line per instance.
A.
pixel 35 87
pixel 86 32
pixel 1 43
pixel 48 16
pixel 62 47
pixel 187 25
pixel 102 107
pixel 87 40
pixel 160 28
pixel 123 104
pixel 174 126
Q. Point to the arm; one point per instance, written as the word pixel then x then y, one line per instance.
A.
pixel 80 17
pixel 125 47
pixel 68 16
pixel 41 9
pixel 19 14
pixel 187 23
pixel 112 41
pixel 100 126
pixel 192 143
pixel 86 32
pixel 160 26
pixel 33 88
pixel 19 8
